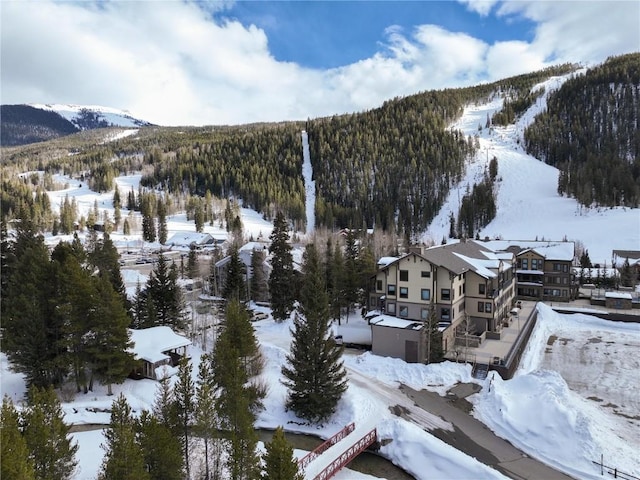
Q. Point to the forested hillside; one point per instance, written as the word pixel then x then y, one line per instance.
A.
pixel 591 132
pixel 390 167
pixel 22 124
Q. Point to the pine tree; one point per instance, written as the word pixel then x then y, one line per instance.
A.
pixel 31 332
pixel 259 286
pixel 162 221
pixel 235 285
pixel 165 296
pixel 16 461
pixel 47 436
pixel 108 339
pixel 351 271
pixel 124 458
pixel 314 373
pixel 432 337
pixel 160 448
pixel 192 263
pixel 280 463
pixel 281 278
pixel 184 395
pixel 234 407
pixel 206 421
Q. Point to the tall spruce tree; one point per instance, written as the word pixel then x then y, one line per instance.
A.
pixel 281 278
pixel 235 285
pixel 124 458
pixel 259 291
pixel 31 332
pixel 207 421
pixel 315 374
pixel 164 295
pixel 47 436
pixel 108 340
pixel 279 462
pixel 235 410
pixel 16 461
pixel 161 449
pixel 184 397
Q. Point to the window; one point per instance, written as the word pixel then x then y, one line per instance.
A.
pixel 460 290
pixel 425 274
pixel 534 264
pixel 391 308
pixel 445 314
pixel 445 294
pixel 391 290
pixel 482 289
pixel 379 285
pixel 481 307
pixel 424 313
pixel 404 311
pixel 425 294
pixel 525 264
pixel 565 268
pixel 404 292
pixel 404 275
pixel 557 267
pixel 487 307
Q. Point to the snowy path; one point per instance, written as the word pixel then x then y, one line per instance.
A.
pixel 309 184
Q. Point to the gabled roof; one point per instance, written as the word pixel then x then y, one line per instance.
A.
pixel 549 250
pixel 149 343
pixel 461 257
pixel 630 254
pixel 188 238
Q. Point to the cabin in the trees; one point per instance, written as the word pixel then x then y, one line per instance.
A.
pixel 194 239
pixel 159 351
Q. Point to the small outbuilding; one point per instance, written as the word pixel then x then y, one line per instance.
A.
pixel 397 338
pixel 159 350
pixel 618 300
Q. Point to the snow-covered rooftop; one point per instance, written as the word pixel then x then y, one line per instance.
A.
pixel 149 343
pixel 395 322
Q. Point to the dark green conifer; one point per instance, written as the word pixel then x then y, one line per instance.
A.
pixel 279 462
pixel 124 458
pixel 16 461
pixel 281 278
pixel 47 436
pixel 314 372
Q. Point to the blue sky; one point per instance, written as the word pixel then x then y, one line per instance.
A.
pixel 181 62
pixel 331 34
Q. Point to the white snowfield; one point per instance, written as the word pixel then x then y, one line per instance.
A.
pixel 528 204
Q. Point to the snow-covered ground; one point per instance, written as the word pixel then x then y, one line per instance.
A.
pixel 568 405
pixel 565 406
pixel 528 204
pixel 564 424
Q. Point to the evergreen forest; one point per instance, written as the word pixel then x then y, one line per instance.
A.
pixel 591 133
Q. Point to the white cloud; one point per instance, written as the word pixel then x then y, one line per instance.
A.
pixel 481 7
pixel 172 64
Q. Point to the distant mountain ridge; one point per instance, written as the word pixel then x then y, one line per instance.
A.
pixel 24 124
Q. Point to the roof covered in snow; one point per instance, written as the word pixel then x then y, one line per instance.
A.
pixel 550 250
pixel 150 343
pixel 189 238
pixel 395 322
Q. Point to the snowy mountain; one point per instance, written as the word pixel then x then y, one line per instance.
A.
pixel 25 124
pixel 87 117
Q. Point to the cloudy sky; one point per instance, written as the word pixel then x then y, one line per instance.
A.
pixel 196 63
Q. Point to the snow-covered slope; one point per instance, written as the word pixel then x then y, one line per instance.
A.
pixel 528 205
pixel 87 117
